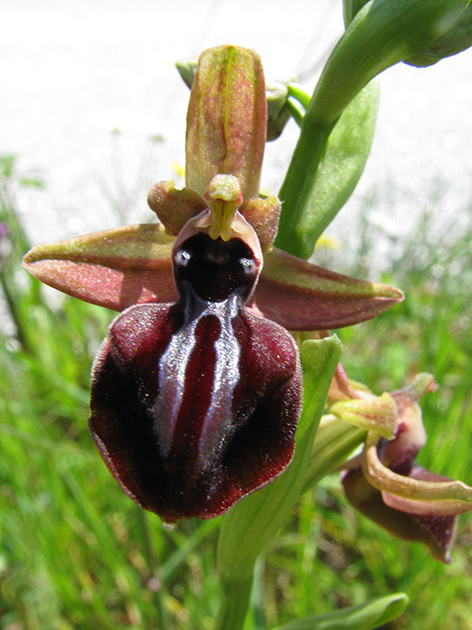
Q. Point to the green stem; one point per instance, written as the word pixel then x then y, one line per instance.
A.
pixel 296 111
pixel 382 34
pixel 298 182
pixel 250 525
pixel 334 443
pixel 234 603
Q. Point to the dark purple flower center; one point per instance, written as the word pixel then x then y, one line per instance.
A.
pixel 213 270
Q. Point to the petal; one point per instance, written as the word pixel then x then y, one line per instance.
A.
pixel 263 215
pixel 302 296
pixel 226 120
pixel 189 419
pixel 418 494
pixel 376 413
pixel 174 207
pixel 114 268
pixel 436 532
pixel 399 454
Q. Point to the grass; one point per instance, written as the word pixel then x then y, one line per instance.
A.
pixel 78 554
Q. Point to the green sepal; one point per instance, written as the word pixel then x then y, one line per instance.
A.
pixel 375 413
pixel 367 616
pixel 302 296
pixel 276 94
pixel 226 120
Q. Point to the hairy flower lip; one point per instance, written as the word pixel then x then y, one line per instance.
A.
pixel 155 465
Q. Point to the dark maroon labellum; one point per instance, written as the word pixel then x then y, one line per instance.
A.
pixel 195 404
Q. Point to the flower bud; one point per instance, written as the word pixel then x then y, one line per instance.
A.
pixel 454 41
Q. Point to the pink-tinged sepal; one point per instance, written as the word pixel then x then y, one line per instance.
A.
pixel 398 494
pixel 226 120
pixel 302 296
pixel 113 268
pixel 195 404
pixel 437 533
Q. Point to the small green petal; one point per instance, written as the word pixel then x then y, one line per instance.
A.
pixel 376 413
pixel 263 215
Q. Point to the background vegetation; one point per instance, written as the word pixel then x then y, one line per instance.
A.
pixel 76 553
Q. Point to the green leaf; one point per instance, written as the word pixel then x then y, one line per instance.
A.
pixel 382 34
pixel 346 155
pixel 249 526
pixel 367 616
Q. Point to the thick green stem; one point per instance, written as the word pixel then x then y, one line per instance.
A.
pixel 298 183
pixel 334 443
pixel 234 603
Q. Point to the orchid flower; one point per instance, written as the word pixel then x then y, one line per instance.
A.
pixel 385 483
pixel 196 389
